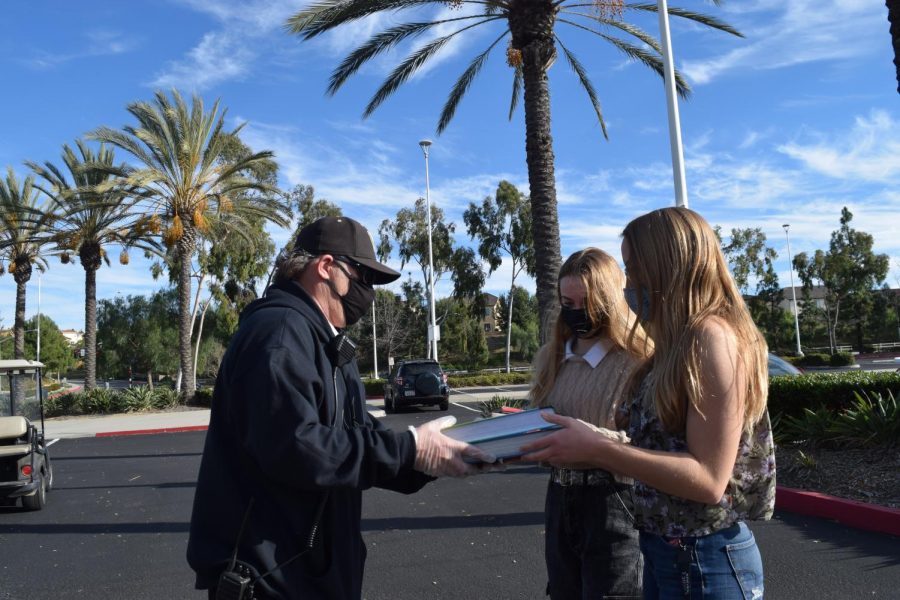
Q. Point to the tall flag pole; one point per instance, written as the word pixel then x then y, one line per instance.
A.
pixel 681 196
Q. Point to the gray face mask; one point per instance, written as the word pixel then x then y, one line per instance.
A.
pixel 641 307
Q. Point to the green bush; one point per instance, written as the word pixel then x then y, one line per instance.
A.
pixel 374 387
pixel 136 399
pixel 165 397
pixel 203 397
pixel 872 421
pixel 812 359
pixel 842 359
pixel 489 407
pixel 834 391
pixel 98 400
pixel 488 379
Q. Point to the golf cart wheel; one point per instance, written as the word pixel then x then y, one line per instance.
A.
pixel 444 405
pixel 38 499
pixel 389 405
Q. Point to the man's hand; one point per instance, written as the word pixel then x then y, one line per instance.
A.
pixel 440 456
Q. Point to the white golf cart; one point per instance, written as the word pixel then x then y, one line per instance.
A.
pixel 25 470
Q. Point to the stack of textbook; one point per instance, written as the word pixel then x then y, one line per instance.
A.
pixel 504 436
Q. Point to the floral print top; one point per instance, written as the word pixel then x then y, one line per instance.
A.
pixel 750 493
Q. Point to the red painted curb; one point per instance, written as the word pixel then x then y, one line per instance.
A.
pixel 860 515
pixel 149 431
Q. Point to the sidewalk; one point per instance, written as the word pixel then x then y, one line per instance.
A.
pixel 848 512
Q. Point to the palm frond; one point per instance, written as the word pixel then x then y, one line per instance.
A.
pixel 586 84
pixel 462 84
pixel 321 17
pixel 651 60
pixel 701 18
pixel 621 25
pixel 380 43
pixel 516 91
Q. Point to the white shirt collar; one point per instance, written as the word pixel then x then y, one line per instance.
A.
pixel 594 355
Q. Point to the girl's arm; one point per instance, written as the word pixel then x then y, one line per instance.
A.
pixel 700 474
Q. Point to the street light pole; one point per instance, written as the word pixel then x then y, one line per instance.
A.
pixel 681 197
pixel 374 343
pixel 433 334
pixel 793 289
pixel 38 345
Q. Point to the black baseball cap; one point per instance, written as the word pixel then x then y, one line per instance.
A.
pixel 342 236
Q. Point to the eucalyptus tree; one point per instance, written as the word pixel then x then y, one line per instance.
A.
pixel 530 26
pixel 90 218
pixel 184 182
pixel 502 225
pixel 24 242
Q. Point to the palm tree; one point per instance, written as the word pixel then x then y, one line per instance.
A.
pixel 184 183
pixel 893 7
pixel 531 50
pixel 88 220
pixel 23 237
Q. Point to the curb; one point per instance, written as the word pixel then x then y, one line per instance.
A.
pixel 152 431
pixel 852 513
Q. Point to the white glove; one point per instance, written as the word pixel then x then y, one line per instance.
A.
pixel 440 456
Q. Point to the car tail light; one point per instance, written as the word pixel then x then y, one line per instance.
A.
pixel 26 470
pixel 399 381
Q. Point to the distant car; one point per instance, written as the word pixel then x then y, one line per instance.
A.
pixel 779 366
pixel 421 382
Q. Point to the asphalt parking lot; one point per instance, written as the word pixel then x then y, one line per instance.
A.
pixel 116 527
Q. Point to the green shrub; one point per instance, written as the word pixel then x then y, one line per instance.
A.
pixel 488 379
pixel 374 387
pixel 203 397
pixel 488 407
pixel 835 391
pixel 813 359
pixel 165 397
pixel 63 404
pixel 98 400
pixel 842 359
pixel 136 399
pixel 872 421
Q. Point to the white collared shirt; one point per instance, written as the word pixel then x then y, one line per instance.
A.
pixel 594 354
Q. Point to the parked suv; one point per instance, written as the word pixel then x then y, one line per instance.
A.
pixel 416 382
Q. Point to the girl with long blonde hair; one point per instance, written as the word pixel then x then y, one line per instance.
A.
pixel 701 449
pixel 591 546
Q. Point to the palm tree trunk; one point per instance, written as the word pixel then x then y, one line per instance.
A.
pixel 185 253
pixel 532 28
pixel 90 329
pixel 893 7
pixel 19 327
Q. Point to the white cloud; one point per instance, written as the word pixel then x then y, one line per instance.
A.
pixel 783 34
pixel 219 56
pixel 100 43
pixel 870 151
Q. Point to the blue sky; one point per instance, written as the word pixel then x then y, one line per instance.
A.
pixel 788 125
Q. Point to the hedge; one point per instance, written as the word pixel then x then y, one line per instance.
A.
pixel 788 395
pixel 838 359
pixel 375 387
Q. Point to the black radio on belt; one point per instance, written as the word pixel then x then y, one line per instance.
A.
pixel 341 350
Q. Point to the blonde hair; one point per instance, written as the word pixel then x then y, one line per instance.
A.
pixel 606 307
pixel 675 259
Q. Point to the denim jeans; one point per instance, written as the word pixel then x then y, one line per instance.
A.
pixel 591 546
pixel 725 565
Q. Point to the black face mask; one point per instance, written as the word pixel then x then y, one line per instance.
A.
pixel 356 301
pixel 577 320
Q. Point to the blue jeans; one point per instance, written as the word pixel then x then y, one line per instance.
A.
pixel 725 565
pixel 591 546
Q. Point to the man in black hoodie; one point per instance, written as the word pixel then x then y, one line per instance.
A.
pixel 290 446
